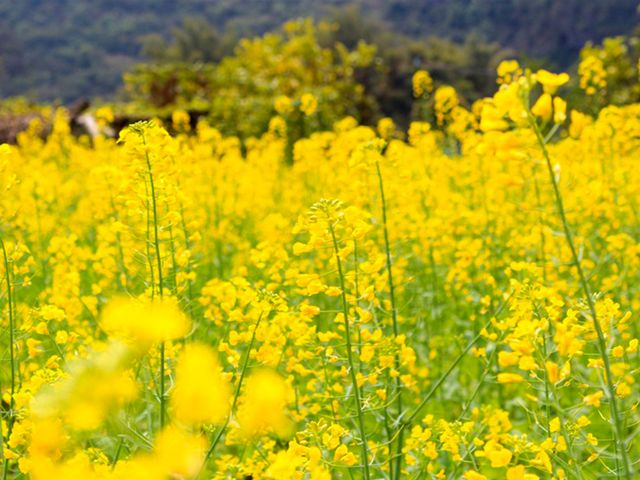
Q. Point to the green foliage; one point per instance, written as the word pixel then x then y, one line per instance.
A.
pixel 365 82
pixel 64 49
pixel 619 57
pixel 244 85
pixel 174 85
pixel 195 41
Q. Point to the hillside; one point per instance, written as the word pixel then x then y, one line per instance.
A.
pixel 64 49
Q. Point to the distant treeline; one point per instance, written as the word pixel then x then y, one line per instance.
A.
pixel 64 49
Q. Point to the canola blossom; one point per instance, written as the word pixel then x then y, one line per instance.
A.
pixel 456 302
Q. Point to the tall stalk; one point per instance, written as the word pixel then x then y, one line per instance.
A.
pixel 156 243
pixel 602 346
pixel 236 395
pixel 187 242
pixel 394 317
pixel 417 410
pixel 12 353
pixel 352 369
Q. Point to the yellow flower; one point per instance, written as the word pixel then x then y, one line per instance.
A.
pixel 527 363
pixel 543 107
pixel 61 337
pixel 47 437
pixel 386 128
pixel 492 118
pixel 473 475
pixel 519 473
pixel 145 322
pixel 33 347
pixel 93 387
pixel 343 455
pixel 445 100
pixel 593 400
pixel 178 453
pixel 578 122
pixel 366 354
pixel 618 351
pixel 52 312
pixel 623 389
pixel 559 110
pixel 308 104
pixel 42 328
pixel 181 121
pixel 200 394
pixel 551 81
pixel 283 105
pixel 422 83
pixel 331 438
pixel 104 115
pixel 507 70
pixel 333 291
pixel 509 378
pixel 285 465
pixel 583 421
pixel 508 359
pixel 499 457
pixel 593 76
pixel 553 372
pixel 263 406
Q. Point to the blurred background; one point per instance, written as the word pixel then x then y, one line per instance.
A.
pixel 147 57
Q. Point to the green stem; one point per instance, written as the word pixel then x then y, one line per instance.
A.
pixel 116 457
pixel 602 347
pixel 11 338
pixel 156 243
pixel 394 316
pixel 352 371
pixel 394 312
pixel 483 376
pixel 174 266
pixel 148 244
pixel 236 395
pixel 187 241
pixel 409 420
pixel 155 220
pixel 122 268
pixel 542 254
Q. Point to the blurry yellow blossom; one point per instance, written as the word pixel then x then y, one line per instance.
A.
pixel 263 404
pixel 445 99
pixel 578 122
pixel 145 322
pixel 519 473
pixel 343 455
pixel 178 453
pixel 93 387
pixel 559 110
pixel 509 378
pixel 593 399
pixel 422 83
pixel 283 105
pixel 200 394
pixel 386 128
pixel 543 107
pixel 551 81
pixel 593 77
pixel 507 71
pixel 308 104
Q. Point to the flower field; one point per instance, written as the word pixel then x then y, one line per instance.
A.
pixel 459 302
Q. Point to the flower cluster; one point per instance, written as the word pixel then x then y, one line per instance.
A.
pixel 459 301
